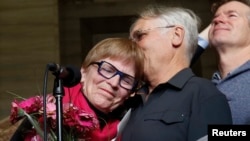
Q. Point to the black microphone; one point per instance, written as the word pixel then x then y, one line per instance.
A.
pixel 70 74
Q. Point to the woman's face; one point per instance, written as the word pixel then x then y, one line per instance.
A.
pixel 107 94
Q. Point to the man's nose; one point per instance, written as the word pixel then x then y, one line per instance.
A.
pixel 219 19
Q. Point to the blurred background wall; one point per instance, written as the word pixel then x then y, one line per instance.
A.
pixel 29 39
pixel 34 33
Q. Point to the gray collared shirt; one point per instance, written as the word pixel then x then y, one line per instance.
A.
pixel 236 87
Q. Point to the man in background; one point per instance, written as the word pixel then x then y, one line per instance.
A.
pixel 229 34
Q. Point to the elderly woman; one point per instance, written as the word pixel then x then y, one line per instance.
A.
pixel 110 74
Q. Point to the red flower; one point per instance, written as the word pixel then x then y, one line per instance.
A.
pixel 76 121
pixel 30 105
pixel 81 121
pixel 32 136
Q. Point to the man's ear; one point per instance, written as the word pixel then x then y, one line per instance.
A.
pixel 83 73
pixel 178 37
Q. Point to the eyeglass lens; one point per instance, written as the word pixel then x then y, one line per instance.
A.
pixel 138 34
pixel 108 71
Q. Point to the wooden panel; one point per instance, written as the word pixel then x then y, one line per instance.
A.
pixel 29 39
pixel 34 15
pixel 22 4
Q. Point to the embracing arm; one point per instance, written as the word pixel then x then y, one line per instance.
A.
pixel 202 44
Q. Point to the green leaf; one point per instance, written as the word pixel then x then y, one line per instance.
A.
pixel 18 96
pixel 35 124
pixel 20 112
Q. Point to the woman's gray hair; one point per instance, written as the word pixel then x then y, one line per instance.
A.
pixel 175 16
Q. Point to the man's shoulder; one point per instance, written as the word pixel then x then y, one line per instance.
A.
pixel 202 82
pixel 205 87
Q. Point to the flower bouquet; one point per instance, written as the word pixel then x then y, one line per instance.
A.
pixel 77 123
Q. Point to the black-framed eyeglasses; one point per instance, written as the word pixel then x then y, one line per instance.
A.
pixel 108 71
pixel 137 35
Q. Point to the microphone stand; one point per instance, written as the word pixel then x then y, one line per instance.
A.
pixel 58 93
pixel 73 76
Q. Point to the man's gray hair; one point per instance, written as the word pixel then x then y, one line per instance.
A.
pixel 175 16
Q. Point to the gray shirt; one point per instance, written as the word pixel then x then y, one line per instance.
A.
pixel 236 87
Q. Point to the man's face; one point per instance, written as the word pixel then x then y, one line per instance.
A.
pixel 155 40
pixel 230 25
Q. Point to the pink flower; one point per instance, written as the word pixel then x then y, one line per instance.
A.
pixel 51 110
pixel 32 136
pixel 86 120
pixel 50 107
pixel 77 123
pixel 30 105
pixel 79 119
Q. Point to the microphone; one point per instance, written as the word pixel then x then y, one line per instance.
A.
pixel 70 75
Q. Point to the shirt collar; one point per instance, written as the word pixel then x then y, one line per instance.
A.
pixel 181 78
pixel 246 66
pixel 178 81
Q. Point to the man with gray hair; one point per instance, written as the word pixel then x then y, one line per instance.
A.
pixel 175 104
